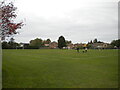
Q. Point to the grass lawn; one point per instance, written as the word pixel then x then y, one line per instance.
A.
pixel 50 68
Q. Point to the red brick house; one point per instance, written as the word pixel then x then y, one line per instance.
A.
pixel 53 45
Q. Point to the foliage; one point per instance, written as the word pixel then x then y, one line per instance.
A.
pixel 116 43
pixel 80 47
pixel 91 42
pixel 100 42
pixel 89 46
pixel 95 40
pixel 48 41
pixel 61 42
pixel 36 42
pixel 68 42
pixel 9 45
pixel 5 45
pixel 8 26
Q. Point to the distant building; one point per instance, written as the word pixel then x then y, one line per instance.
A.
pixel 24 45
pixel 84 45
pixel 53 45
pixel 100 45
pixel 47 45
pixel 78 45
pixel 70 46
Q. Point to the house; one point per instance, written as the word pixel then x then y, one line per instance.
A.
pixel 70 46
pixel 46 45
pixel 53 45
pixel 100 45
pixel 78 45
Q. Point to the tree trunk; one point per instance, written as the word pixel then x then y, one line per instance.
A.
pixel 0 54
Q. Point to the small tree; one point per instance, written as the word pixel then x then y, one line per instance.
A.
pixel 68 42
pixel 12 40
pixel 8 26
pixel 11 43
pixel 47 41
pixel 61 42
pixel 5 45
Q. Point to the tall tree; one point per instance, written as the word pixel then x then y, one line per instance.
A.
pixel 95 40
pixel 61 42
pixel 8 26
pixel 91 42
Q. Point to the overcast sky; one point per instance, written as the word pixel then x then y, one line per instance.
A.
pixel 76 20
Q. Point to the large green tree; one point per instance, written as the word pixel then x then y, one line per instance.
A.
pixel 61 42
pixel 116 43
pixel 36 42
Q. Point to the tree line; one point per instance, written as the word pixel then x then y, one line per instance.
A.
pixel 34 44
pixel 39 43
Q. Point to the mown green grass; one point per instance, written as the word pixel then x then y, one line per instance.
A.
pixel 60 69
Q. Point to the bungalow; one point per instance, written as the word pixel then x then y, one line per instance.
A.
pixel 78 45
pixel 53 45
pixel 100 45
pixel 70 46
pixel 46 45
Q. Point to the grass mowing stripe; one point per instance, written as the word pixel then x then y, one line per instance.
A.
pixel 60 69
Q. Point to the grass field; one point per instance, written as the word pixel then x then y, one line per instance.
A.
pixel 47 68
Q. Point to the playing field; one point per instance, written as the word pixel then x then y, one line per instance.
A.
pixel 52 68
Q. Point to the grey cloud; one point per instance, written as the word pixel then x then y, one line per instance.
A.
pixel 80 25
